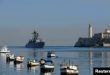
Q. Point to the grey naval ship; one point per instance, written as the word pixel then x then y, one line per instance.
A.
pixel 101 39
pixel 35 42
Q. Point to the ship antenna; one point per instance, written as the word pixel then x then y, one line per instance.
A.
pixel 35 35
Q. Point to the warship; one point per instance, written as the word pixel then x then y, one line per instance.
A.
pixel 35 42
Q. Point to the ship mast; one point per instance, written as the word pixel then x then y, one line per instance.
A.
pixel 35 35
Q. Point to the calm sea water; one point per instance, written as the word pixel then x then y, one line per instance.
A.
pixel 85 58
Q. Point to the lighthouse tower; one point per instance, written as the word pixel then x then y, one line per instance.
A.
pixel 90 31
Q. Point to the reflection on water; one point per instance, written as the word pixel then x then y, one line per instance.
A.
pixel 19 66
pixel 3 56
pixel 85 60
pixel 100 59
pixel 34 54
pixel 47 73
pixel 33 69
pixel 91 59
pixel 10 64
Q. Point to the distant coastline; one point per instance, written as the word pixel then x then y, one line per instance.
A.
pixel 101 39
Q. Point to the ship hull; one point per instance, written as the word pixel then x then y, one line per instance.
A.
pixel 35 45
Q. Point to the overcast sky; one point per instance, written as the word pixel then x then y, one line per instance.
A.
pixel 59 22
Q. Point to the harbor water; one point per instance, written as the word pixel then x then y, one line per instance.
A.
pixel 85 58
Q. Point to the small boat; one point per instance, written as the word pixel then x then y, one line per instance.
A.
pixel 10 57
pixel 19 66
pixel 69 69
pixel 31 63
pixel 18 59
pixel 51 54
pixel 4 49
pixel 46 65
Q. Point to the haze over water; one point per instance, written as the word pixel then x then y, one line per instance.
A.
pixel 59 22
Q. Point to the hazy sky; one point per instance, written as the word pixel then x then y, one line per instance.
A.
pixel 59 22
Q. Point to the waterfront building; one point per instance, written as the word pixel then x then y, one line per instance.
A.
pixel 101 39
